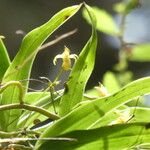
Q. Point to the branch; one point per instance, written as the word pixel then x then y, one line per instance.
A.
pixel 58 39
pixel 13 134
pixel 30 108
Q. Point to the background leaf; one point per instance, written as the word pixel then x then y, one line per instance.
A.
pixel 126 6
pixel 140 53
pixel 110 82
pixel 105 22
pixel 18 71
pixel 80 73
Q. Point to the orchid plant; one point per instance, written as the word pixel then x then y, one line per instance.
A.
pixel 70 118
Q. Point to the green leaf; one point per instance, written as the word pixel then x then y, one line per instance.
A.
pixel 140 114
pixel 32 97
pixel 124 136
pixel 110 82
pixel 136 115
pixel 140 53
pixel 131 4
pixel 21 65
pixel 127 94
pixel 91 114
pixel 126 6
pixel 105 22
pixel 4 59
pixel 42 100
pixel 81 72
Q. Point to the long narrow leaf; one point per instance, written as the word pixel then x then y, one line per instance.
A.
pixel 4 59
pixel 19 70
pixel 116 137
pixel 32 97
pixel 80 72
pixel 90 114
pixel 27 118
pixel 130 114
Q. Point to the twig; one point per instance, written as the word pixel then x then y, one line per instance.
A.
pixel 121 66
pixel 18 146
pixel 122 29
pixel 13 140
pixel 59 38
pixel 13 134
pixel 30 108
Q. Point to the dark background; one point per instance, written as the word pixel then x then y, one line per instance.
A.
pixel 27 14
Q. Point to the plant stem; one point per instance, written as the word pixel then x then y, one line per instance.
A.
pixel 58 76
pixel 18 146
pixel 51 90
pixel 13 134
pixel 14 83
pixel 122 65
pixel 30 108
pixel 59 38
pixel 122 30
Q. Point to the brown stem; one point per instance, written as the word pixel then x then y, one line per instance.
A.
pixel 59 38
pixel 13 134
pixel 30 108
